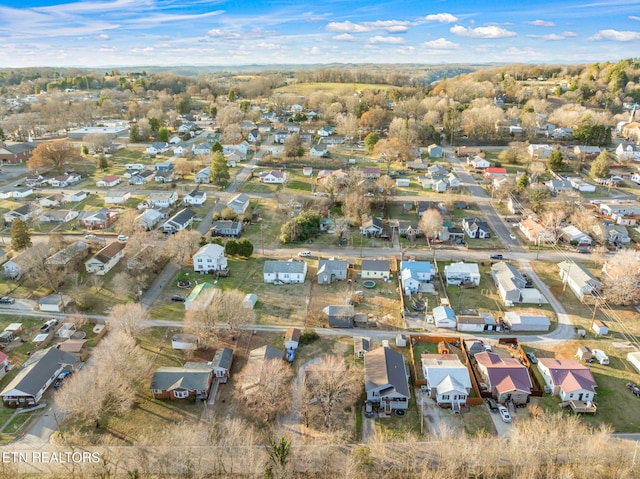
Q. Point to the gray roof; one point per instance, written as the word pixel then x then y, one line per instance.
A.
pixel 39 369
pixel 265 353
pixel 508 276
pixel 383 367
pixel 191 376
pixel 337 311
pixel 328 265
pixel 68 253
pixel 182 217
pixel 294 267
pixel 222 359
pixel 376 265
pixel 361 344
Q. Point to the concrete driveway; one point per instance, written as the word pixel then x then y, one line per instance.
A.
pixel 438 422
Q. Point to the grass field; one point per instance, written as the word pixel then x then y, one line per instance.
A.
pixel 329 87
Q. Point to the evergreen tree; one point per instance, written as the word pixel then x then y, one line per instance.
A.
pixel 20 236
pixel 600 166
pixel 370 141
pixel 163 134
pixel 245 247
pixel 522 184
pixel 555 162
pixel 219 169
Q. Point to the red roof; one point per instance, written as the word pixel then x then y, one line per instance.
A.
pixel 110 178
pixel 3 357
pixel 496 170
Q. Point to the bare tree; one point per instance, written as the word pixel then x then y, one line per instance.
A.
pixel 183 167
pixel 127 223
pixel 266 386
pixel 201 319
pixel 333 385
pixel 124 285
pixel 431 224
pixel 128 318
pixel 621 278
pixel 355 205
pixel 97 142
pixel 182 245
pixel 554 218
pixel 228 305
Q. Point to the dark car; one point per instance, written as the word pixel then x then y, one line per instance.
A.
pixel 7 300
pixel 493 405
pixel 178 298
pixel 532 358
pixel 496 256
pixel 633 387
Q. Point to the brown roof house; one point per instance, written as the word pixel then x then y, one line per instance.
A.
pixel 506 378
pixel 105 259
pixel 568 379
pixel 386 379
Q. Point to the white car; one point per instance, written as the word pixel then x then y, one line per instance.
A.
pixel 512 236
pixel 123 238
pixel 89 236
pixel 304 254
pixel 504 414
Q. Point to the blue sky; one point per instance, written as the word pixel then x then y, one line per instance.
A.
pixel 98 33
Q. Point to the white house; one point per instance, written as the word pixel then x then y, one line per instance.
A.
pixel 539 150
pixel 478 163
pixel 163 199
pixel 203 176
pixel 209 258
pixel 448 380
pixel 181 220
pixel 108 182
pixel 116 197
pixel 105 259
pixel 458 273
pixel 444 317
pixel 526 321
pixel 375 269
pixel 196 198
pixel 284 272
pixel 239 203
pixel 573 235
pixel 568 379
pixel 579 279
pixel 414 274
pixel 536 232
pixel 273 177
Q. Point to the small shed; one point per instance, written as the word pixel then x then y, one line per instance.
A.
pixel 291 338
pixel 361 346
pixel 249 301
pixel 600 328
pixel 401 340
pixel 52 303
pixel 221 363
pixel 584 354
pixel 634 359
pixel 185 341
pixel 15 328
pixel 6 337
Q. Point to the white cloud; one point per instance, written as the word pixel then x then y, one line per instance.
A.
pixel 267 46
pixel 482 32
pixel 440 44
pixel 344 37
pixel 616 36
pixel 408 50
pixel 541 23
pixel 554 36
pixel 441 17
pixel 103 36
pixel 390 26
pixel 217 33
pixel 387 40
pixel 633 17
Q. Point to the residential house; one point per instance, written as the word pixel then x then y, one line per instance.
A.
pixel 386 379
pixel 307 170
pixel 99 219
pixel 361 346
pixel 291 338
pixel 78 196
pixel 506 378
pixel 273 177
pixel 149 218
pixel 51 201
pixel 178 222
pixel 476 324
pixel 512 285
pixel 284 272
pixel 539 150
pixel 226 228
pixel 330 270
pixel 467 151
pixel 254 135
pixel 536 232
pixel 24 213
pixel 116 197
pixel 582 186
pixel 568 379
pixel 586 151
pixel 526 321
pixel 462 273
pixel 63 181
pixel 221 364
pixel 203 176
pixel 157 147
pixel 319 150
pixel 261 357
pixel 559 186
pixel 448 380
pixel 435 151
pixel 4 364
pixel 193 380
pixel 19 193
pixel 18 265
pixel 59 216
pixel 579 279
pixel 281 136
pixel 376 269
pixel 444 317
pixel 195 198
pixel 493 172
pixel 478 163
pixel 163 166
pixel 613 234
pixel 326 131
pixel 370 173
pixel 73 252
pixel 340 316
pixel 371 227
pixel 16 153
pixel 105 259
pixel 415 274
pixel 422 206
pixel 163 199
pixel 475 228
pixel 239 203
pixel 626 151
pixel 436 171
pixel 209 259
pixel 37 374
pixel 108 182
pixel 142 177
pixel 573 235
pixel 406 228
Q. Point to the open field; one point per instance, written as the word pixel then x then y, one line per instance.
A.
pixel 329 87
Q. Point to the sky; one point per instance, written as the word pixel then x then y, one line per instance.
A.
pixel 108 33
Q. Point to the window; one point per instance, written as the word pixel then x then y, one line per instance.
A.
pixel 445 397
pixel 181 394
pixel 157 391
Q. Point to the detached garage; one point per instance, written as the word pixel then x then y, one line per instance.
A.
pixel 634 359
pixel 52 303
pixel 526 321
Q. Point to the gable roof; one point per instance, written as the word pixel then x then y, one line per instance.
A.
pixel 211 249
pixel 222 359
pixel 578 274
pixel 505 374
pixel 385 367
pixel 192 377
pixel 569 374
pixel 265 353
pixel 376 265
pixel 290 266
pixel 107 253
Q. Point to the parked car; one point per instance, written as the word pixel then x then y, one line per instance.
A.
pixel 512 236
pixel 123 238
pixel 496 256
pixel 633 387
pixel 48 326
pixel 89 236
pixel 532 358
pixel 368 409
pixel 504 414
pixel 178 298
pixel 304 254
pixel 493 405
pixel 7 300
